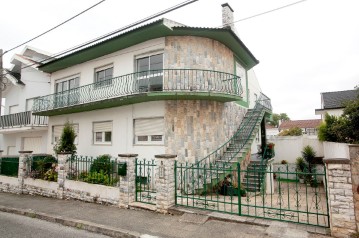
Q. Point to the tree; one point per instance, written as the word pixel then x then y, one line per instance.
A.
pixel 67 140
pixel 279 117
pixel 294 131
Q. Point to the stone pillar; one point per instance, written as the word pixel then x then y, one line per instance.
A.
pixel 340 197
pixel 24 168
pixel 354 164
pixel 128 182
pixel 165 182
pixel 62 173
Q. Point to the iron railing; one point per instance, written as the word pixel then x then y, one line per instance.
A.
pixel 164 80
pixel 240 138
pixel 101 170
pixel 21 119
pixel 145 181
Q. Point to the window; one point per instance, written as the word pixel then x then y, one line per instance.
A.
pixel 150 73
pixel 13 109
pixel 102 132
pixel 149 130
pixel 57 131
pixel 29 104
pixel 103 76
pixel 66 92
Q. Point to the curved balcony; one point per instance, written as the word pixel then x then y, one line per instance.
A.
pixel 165 84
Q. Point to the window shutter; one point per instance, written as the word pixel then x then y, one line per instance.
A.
pixel 150 126
pixel 102 126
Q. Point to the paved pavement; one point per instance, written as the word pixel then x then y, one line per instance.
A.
pixel 116 222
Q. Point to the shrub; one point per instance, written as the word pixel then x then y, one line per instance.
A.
pixel 103 162
pixel 294 131
pixel 284 162
pixel 67 140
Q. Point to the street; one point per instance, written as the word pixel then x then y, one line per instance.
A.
pixel 16 226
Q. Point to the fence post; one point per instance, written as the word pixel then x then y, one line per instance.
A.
pixel 128 182
pixel 269 177
pixel 0 159
pixel 354 164
pixel 165 182
pixel 61 173
pixel 24 168
pixel 340 197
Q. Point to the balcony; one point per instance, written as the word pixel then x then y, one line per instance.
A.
pixel 166 84
pixel 22 121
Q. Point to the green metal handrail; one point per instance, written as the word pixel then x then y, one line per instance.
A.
pixel 163 80
pixel 263 103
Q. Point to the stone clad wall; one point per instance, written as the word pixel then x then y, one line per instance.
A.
pixel 194 128
pixel 354 163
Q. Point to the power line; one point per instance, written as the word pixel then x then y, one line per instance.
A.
pixel 53 28
pixel 62 53
pixel 266 12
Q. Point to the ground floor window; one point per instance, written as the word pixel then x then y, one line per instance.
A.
pixel 57 131
pixel 149 131
pixel 102 132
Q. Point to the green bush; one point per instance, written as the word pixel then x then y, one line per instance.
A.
pixel 67 140
pixel 103 162
pixel 100 178
pixel 294 131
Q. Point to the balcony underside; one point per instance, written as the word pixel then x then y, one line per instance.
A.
pixel 22 129
pixel 138 98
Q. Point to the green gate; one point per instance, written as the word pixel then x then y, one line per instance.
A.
pixel 274 192
pixel 145 181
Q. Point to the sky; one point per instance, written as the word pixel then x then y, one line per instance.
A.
pixel 308 48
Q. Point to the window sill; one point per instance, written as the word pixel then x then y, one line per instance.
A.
pixel 148 144
pixel 101 144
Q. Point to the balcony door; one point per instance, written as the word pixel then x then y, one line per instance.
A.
pixel 150 73
pixel 66 92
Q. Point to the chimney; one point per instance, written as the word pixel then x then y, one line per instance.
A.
pixel 227 17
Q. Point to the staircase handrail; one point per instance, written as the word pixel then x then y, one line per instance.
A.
pixel 263 102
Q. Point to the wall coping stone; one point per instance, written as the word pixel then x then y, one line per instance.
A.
pixel 165 156
pixel 353 145
pixel 127 155
pixel 336 161
pixel 25 151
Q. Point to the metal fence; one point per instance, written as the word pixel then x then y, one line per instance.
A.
pixel 9 166
pixel 145 181
pixel 96 170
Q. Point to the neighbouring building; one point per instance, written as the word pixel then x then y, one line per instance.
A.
pixel 309 127
pixel 19 128
pixel 333 103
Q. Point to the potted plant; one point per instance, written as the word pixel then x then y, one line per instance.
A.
pixel 300 167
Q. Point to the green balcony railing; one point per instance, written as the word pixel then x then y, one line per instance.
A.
pixel 164 80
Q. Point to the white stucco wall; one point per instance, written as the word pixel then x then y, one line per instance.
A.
pixel 16 139
pixel 253 86
pixel 123 62
pixel 289 147
pixel 333 150
pixel 122 129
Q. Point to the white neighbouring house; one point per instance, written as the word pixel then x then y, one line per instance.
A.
pixel 19 128
pixel 161 88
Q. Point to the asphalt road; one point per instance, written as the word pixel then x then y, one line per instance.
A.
pixel 16 226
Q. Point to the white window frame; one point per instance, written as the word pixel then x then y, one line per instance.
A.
pixel 103 133
pixel 67 78
pixel 152 74
pixel 54 141
pixel 150 140
pixel 100 84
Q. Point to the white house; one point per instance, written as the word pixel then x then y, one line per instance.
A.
pixel 159 88
pixel 333 103
pixel 19 129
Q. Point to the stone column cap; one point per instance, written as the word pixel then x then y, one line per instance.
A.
pixel 353 145
pixel 165 156
pixel 25 151
pixel 128 155
pixel 336 161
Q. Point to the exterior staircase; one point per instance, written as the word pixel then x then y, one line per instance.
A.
pixel 235 150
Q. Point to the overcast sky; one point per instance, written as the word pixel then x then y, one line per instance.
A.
pixel 305 49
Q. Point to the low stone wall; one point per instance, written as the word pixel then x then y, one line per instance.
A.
pixel 40 187
pixel 9 184
pixel 91 192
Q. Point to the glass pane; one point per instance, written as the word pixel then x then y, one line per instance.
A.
pixel 98 136
pixel 59 87
pixel 156 62
pixel 108 73
pixel 108 136
pixel 156 138
pixel 65 85
pixel 143 64
pixel 100 75
pixel 142 138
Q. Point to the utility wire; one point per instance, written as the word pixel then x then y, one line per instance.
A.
pixel 266 12
pixel 62 53
pixel 53 28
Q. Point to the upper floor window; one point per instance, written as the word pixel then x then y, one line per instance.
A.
pixel 66 84
pixel 150 72
pixel 103 76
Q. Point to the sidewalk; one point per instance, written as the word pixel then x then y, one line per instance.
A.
pixel 118 222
